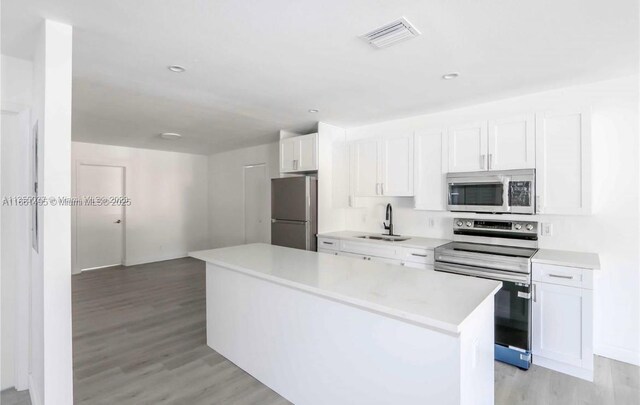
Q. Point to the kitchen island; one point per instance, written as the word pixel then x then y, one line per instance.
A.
pixel 322 329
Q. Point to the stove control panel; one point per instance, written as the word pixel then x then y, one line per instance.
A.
pixel 497 226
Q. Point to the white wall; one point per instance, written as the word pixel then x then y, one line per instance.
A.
pixel 168 215
pixel 612 230
pixel 333 184
pixel 51 379
pixel 17 79
pixel 226 191
pixel 17 76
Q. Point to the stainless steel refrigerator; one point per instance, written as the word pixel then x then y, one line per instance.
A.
pixel 294 213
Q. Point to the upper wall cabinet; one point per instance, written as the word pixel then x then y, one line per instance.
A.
pixel 382 166
pixel 299 154
pixel 468 147
pixel 563 163
pixel 512 143
pixel 497 145
pixel 430 163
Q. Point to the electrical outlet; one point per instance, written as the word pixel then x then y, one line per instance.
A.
pixel 546 229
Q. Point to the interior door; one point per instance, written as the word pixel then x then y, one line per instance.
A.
pixel 256 204
pixel 468 148
pixel 100 227
pixel 512 143
pixel 397 165
pixel 364 168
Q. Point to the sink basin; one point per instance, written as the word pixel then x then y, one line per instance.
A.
pixel 384 238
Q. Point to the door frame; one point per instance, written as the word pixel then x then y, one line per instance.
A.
pixel 22 343
pixel 244 201
pixel 75 269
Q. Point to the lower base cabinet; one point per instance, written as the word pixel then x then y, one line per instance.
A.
pixel 562 319
pixel 403 256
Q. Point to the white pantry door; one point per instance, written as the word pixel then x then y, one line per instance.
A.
pixel 256 204
pixel 100 235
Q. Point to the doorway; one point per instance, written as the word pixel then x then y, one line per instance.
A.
pixel 256 204
pixel 100 227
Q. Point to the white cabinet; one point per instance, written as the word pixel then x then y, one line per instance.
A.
pixel 382 166
pixel 562 320
pixel 396 165
pixel 364 168
pixel 563 162
pixel 502 144
pixel 430 169
pixel 299 154
pixel 512 143
pixel 468 147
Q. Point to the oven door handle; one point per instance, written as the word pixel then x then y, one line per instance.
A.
pixel 467 271
pixel 451 259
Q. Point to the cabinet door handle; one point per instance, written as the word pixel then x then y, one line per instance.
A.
pixel 418 254
pixel 377 188
pixel 327 243
pixel 483 161
pixel 538 203
pixel 382 188
pixel 490 160
pixel 560 276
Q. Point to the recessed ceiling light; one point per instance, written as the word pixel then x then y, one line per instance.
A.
pixel 313 111
pixel 450 76
pixel 176 68
pixel 170 135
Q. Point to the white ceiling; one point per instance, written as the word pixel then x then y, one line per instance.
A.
pixel 254 67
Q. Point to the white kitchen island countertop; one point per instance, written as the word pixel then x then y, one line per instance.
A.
pixel 412 242
pixel 567 258
pixel 436 300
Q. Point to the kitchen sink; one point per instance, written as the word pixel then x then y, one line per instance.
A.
pixel 384 238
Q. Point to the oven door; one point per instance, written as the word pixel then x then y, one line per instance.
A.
pixel 478 194
pixel 512 304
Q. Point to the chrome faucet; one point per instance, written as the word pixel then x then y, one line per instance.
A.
pixel 389 217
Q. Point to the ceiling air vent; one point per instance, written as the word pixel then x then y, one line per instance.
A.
pixel 389 34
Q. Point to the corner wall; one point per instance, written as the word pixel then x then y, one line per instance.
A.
pixel 51 379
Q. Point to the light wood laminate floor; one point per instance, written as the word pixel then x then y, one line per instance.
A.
pixel 139 338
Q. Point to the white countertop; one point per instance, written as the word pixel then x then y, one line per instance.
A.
pixel 567 258
pixel 412 242
pixel 432 299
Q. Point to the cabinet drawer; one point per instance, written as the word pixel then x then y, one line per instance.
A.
pixel 561 275
pixel 392 252
pixel 418 255
pixel 328 243
pixel 421 266
pixel 328 251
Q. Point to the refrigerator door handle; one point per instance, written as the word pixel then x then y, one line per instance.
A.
pixel 287 221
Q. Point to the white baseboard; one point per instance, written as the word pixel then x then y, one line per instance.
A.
pixel 154 259
pixel 34 394
pixel 579 372
pixel 618 353
pixel 99 267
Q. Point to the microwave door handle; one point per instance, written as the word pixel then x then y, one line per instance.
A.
pixel 505 195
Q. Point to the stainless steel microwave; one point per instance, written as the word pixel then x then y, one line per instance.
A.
pixel 500 192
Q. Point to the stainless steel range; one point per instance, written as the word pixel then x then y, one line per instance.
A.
pixel 498 250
